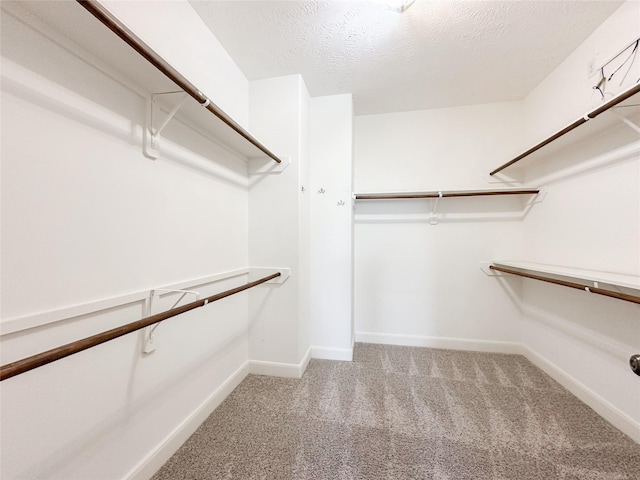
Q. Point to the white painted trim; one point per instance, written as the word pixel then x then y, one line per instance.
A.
pixel 331 353
pixel 440 342
pixel 157 457
pixel 606 410
pixel 305 362
pixel 276 369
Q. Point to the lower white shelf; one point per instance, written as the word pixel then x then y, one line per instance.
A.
pixel 608 278
pixel 17 324
pixel 616 285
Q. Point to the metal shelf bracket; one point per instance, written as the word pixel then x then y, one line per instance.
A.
pixel 154 112
pixel 148 333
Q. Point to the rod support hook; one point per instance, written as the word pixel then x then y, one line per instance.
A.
pixel 433 216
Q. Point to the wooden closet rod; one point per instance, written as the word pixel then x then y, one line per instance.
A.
pixel 479 193
pixel 20 366
pixel 591 115
pixel 117 27
pixel 577 286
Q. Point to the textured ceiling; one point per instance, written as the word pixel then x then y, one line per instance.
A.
pixel 436 54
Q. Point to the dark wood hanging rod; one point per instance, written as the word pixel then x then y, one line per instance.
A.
pixel 21 366
pixel 577 286
pixel 122 31
pixel 444 194
pixel 591 115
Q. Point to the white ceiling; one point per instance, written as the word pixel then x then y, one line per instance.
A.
pixel 436 54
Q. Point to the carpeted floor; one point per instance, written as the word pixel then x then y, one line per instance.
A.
pixel 406 413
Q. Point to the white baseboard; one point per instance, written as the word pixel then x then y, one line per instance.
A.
pixel 606 410
pixel 152 462
pixel 330 353
pixel 439 342
pixel 275 369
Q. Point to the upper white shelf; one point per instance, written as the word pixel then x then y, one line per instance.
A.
pixel 95 31
pixel 445 193
pixel 608 278
pixel 622 106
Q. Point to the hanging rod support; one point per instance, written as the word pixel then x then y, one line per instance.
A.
pixel 154 106
pixel 149 345
pixel 433 216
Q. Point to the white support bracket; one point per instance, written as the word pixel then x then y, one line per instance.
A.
pixel 266 166
pixel 433 213
pixel 625 120
pixel 151 131
pixel 148 344
pixel 260 272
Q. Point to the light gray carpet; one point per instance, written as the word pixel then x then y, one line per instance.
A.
pixel 406 413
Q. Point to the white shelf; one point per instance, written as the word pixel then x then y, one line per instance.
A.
pixel 446 193
pixel 73 27
pixel 604 128
pixel 580 275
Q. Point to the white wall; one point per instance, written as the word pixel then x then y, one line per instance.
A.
pixel 421 284
pixel 278 334
pixel 86 216
pixel 590 219
pixel 331 227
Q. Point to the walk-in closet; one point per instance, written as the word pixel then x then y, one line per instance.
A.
pixel 319 239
